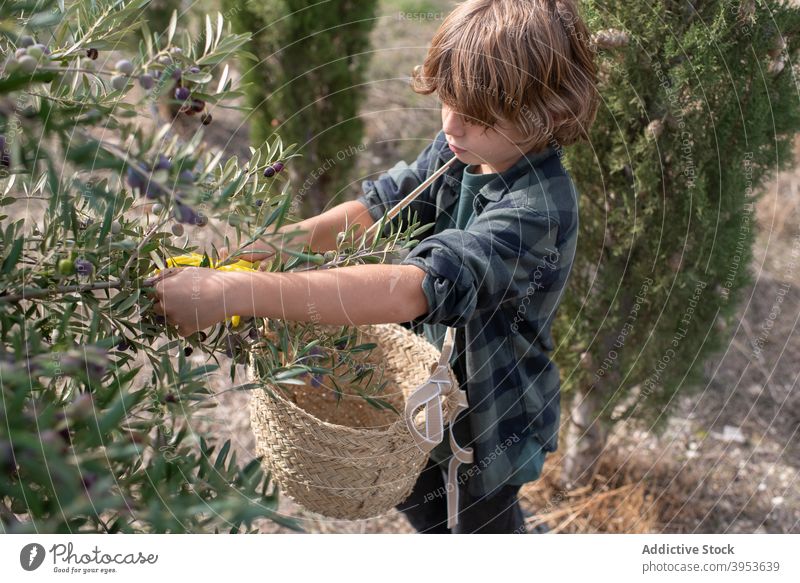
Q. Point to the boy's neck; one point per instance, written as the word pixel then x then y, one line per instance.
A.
pixel 493 169
pixel 496 168
pixel 481 169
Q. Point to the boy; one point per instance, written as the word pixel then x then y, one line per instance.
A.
pixel 516 79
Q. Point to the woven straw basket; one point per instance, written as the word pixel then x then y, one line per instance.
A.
pixel 356 461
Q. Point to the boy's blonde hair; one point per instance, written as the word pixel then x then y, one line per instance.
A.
pixel 524 62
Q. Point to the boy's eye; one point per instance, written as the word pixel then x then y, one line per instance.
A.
pixel 474 122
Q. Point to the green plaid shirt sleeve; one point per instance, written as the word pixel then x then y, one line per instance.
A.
pixel 499 283
pixel 508 250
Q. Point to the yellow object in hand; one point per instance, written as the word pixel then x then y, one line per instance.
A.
pixel 195 259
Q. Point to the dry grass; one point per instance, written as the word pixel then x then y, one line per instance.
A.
pixel 624 496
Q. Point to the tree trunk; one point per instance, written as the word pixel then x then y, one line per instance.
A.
pixel 585 439
pixel 585 435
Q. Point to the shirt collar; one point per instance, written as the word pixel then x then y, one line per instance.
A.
pixel 494 189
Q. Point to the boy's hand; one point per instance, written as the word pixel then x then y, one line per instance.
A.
pixel 267 254
pixel 254 257
pixel 194 298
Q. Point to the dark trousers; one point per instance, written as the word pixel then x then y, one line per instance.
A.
pixel 426 507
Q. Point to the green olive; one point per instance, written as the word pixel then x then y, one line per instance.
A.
pixel 27 64
pixel 119 82
pixel 124 66
pixel 66 267
pixel 11 65
pixel 36 51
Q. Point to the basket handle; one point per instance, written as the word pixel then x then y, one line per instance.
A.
pixel 430 395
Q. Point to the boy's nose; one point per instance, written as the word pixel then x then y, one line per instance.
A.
pixel 451 124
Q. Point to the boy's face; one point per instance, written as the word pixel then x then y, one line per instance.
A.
pixel 490 150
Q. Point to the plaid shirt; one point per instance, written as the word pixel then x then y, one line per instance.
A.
pixel 499 283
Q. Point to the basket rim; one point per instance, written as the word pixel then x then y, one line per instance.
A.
pixel 391 429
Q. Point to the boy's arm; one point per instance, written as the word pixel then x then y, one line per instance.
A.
pixel 359 294
pixel 353 295
pixel 320 231
pixel 377 198
pixel 324 227
pixel 390 187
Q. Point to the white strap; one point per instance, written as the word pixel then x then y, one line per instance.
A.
pixel 460 456
pixel 430 395
pixel 447 346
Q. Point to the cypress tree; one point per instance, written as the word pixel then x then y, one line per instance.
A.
pixel 306 81
pixel 699 107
